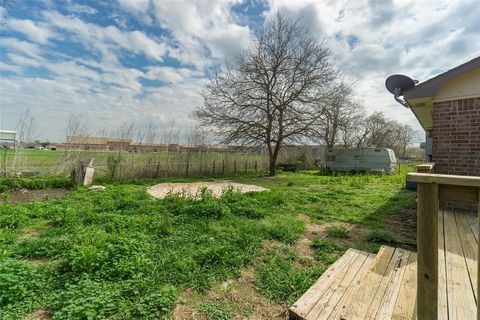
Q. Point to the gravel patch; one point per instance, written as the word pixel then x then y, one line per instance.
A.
pixel 191 189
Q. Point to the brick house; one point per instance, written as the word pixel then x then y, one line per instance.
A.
pixel 448 108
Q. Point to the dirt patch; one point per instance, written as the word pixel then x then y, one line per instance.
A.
pixel 239 293
pixel 23 195
pixel 39 315
pixel 404 225
pixel 192 189
pixel 303 247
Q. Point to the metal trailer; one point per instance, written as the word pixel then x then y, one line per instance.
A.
pixel 9 137
pixel 381 160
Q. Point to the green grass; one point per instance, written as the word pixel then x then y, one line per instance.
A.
pixel 280 280
pixel 381 236
pixel 337 232
pixel 121 254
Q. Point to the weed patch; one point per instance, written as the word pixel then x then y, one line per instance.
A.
pixel 215 310
pixel 326 251
pixel 337 232
pixel 381 236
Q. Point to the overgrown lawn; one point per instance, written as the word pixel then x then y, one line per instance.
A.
pixel 121 254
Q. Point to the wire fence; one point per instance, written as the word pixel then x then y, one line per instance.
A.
pixel 122 166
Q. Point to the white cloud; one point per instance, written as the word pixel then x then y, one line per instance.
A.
pixel 105 39
pixel 135 5
pixel 33 31
pixel 369 40
pixel 417 38
pixel 80 8
pixel 170 74
pixel 202 27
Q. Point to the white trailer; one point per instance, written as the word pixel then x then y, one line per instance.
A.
pixel 380 160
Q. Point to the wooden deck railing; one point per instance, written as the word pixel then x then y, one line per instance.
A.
pixel 431 189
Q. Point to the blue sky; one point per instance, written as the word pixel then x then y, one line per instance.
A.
pixel 113 62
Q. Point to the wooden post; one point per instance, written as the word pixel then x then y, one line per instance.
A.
pixel 223 167
pixel 213 168
pixel 427 250
pixel 186 170
pixel 234 167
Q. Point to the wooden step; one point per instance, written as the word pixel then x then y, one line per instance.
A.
pixel 303 306
pixel 361 285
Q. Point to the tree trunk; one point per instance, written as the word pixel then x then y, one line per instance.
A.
pixel 272 167
pixel 273 160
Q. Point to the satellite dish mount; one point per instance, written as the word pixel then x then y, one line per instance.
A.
pixel 397 84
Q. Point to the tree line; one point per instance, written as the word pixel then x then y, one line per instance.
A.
pixel 286 89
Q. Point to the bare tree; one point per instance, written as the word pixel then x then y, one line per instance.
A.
pixel 27 129
pixel 340 118
pixel 380 132
pixel 72 154
pixel 272 97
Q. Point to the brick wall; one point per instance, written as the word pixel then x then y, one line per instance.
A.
pixel 456 141
pixel 456 137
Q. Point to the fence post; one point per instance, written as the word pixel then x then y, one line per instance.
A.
pixel 246 165
pixel 186 170
pixel 213 168
pixel 234 167
pixel 223 167
pixel 256 167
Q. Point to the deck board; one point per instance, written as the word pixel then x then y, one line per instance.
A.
pixel 367 289
pixel 406 301
pixel 470 249
pixel 329 300
pixel 302 307
pixel 385 308
pixel 383 286
pixel 442 272
pixel 461 301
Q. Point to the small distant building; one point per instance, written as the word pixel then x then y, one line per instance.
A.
pixel 448 108
pixel 91 143
pixel 8 137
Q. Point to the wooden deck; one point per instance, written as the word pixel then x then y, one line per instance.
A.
pixel 363 285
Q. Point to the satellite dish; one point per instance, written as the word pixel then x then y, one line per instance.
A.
pixel 397 84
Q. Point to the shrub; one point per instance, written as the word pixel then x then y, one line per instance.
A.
pixel 381 236
pixel 337 232
pixel 36 183
pixel 204 205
